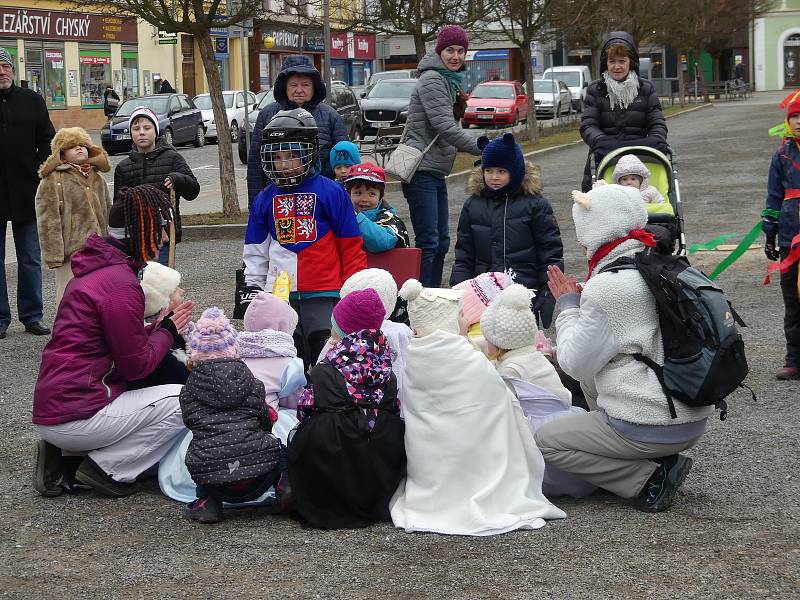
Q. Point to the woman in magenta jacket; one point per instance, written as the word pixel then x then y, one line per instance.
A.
pixel 80 403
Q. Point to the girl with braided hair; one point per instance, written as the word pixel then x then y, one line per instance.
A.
pixel 82 404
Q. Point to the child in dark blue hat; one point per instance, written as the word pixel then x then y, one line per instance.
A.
pixel 507 225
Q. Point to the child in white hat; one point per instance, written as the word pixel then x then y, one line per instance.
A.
pixel 457 406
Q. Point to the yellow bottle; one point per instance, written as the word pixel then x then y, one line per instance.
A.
pixel 282 286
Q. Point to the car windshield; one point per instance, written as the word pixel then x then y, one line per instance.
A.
pixel 376 77
pixel 493 91
pixel 268 98
pixel 571 78
pixel 203 102
pixel 545 85
pixel 157 105
pixel 393 89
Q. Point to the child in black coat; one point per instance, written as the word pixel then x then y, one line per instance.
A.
pixel 506 224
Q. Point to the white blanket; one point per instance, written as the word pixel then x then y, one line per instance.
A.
pixel 473 467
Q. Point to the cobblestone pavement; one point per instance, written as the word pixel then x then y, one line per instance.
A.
pixel 732 532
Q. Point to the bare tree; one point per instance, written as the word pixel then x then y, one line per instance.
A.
pixel 195 17
pixel 524 21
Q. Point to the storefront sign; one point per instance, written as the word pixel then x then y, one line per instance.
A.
pixel 339 45
pixel 50 24
pixel 363 46
pixel 308 40
pixel 352 45
pixel 221 45
pixel 95 60
pixel 167 38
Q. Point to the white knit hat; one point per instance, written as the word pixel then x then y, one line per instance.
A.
pixel 509 323
pixel 607 213
pixel 379 280
pixel 158 284
pixel 430 309
pixel 143 111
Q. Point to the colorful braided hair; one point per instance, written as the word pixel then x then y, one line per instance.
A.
pixel 146 211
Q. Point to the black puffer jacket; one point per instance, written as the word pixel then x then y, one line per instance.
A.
pixel 153 168
pixel 515 232
pixel 641 124
pixel 223 404
pixel 330 125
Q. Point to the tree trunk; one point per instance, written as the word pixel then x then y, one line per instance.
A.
pixel 419 44
pixel 682 78
pixel 527 69
pixel 227 177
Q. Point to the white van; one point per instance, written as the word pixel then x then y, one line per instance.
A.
pixel 577 78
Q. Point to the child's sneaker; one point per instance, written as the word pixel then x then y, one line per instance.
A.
pixel 284 498
pixel 204 510
pixel 660 489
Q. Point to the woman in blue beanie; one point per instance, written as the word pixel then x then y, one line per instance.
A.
pixel 507 225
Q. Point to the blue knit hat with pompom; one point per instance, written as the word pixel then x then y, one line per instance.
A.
pixel 505 153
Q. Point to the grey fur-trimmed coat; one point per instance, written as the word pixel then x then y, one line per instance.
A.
pixel 224 406
pixel 430 111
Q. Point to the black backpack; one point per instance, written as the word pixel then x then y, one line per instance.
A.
pixel 704 358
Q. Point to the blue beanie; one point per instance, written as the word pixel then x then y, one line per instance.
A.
pixel 345 153
pixel 505 153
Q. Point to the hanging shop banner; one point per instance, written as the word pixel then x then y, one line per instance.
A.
pixel 58 25
pixel 339 44
pixel 363 46
pixel 308 40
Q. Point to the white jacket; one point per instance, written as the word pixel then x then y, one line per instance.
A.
pixel 531 366
pixel 596 339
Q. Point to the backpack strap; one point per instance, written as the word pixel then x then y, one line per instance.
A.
pixel 659 371
pixel 621 264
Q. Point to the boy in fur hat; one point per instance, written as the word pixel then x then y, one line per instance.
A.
pixel 783 196
pixel 507 225
pixel 72 200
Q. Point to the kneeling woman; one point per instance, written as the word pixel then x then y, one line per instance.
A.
pixel 81 404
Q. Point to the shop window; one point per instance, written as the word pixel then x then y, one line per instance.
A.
pixel 358 73
pixel 55 78
pixel 130 74
pixel 34 76
pixel 95 75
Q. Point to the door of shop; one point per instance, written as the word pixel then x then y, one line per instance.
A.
pixel 791 61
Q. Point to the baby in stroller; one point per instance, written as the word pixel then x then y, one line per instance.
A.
pixel 632 172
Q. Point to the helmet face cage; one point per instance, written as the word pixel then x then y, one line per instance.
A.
pixel 289 147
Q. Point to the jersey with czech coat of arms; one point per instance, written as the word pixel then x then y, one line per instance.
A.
pixel 309 231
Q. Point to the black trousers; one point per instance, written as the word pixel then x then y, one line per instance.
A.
pixel 313 327
pixel 791 315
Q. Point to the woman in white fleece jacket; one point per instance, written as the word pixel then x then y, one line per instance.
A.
pixel 629 445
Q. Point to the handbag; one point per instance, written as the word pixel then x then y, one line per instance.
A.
pixel 243 295
pixel 404 160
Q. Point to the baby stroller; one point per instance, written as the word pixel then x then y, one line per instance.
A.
pixel 663 176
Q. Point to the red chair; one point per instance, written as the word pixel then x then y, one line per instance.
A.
pixel 402 263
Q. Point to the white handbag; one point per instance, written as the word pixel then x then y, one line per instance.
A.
pixel 404 160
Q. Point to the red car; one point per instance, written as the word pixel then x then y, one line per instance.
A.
pixel 496 103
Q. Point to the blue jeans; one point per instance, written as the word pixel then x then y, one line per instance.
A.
pixel 29 274
pixel 163 254
pixel 427 201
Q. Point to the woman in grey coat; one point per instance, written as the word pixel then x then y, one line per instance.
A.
pixel 434 109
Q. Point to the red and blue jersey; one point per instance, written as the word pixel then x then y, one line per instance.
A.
pixel 309 231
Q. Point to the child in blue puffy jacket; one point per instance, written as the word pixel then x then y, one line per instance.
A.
pixel 380 227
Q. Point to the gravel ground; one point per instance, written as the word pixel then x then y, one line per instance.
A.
pixel 732 532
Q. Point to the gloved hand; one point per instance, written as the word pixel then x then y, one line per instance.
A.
pixel 770 250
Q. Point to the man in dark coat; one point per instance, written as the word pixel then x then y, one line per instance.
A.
pixel 299 84
pixel 110 101
pixel 621 109
pixel 25 134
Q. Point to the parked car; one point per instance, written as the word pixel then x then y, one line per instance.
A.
pixel 577 78
pixel 261 94
pixel 396 74
pixel 340 97
pixel 179 121
pixel 551 97
pixel 386 105
pixel 496 103
pixel 234 101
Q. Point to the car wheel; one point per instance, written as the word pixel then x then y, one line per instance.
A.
pixel 200 137
pixel 234 132
pixel 168 137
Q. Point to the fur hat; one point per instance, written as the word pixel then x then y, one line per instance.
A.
pixel 6 58
pixel 508 323
pixel 631 165
pixel 360 309
pixel 607 213
pixel 69 137
pixel 158 284
pixel 379 280
pixel 430 309
pixel 503 152
pixel 143 111
pixel 213 336
pixel 344 153
pixel 451 35
pixel 267 311
pixel 479 292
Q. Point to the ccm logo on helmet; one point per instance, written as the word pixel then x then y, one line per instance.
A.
pixel 276 134
pixel 303 113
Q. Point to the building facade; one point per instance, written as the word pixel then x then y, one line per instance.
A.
pixel 70 57
pixel 776 47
